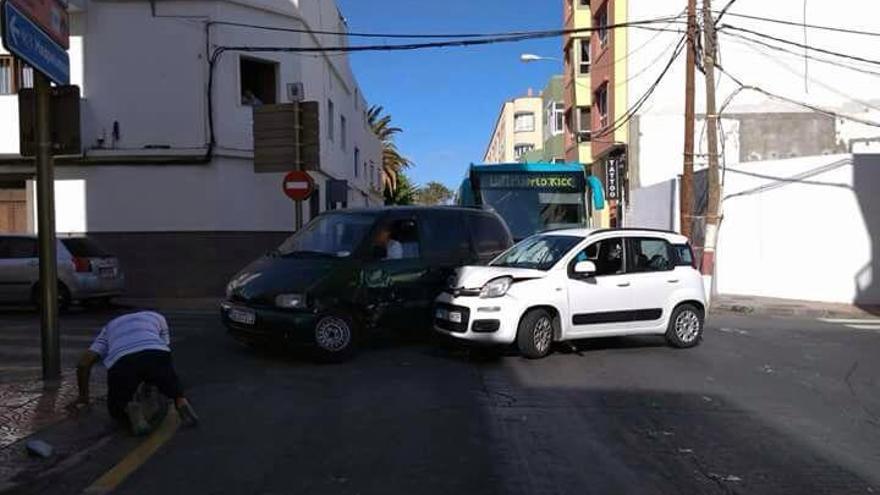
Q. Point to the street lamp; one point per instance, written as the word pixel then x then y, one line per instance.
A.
pixel 531 57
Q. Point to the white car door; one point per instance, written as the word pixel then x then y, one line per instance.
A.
pixel 19 268
pixel 651 265
pixel 600 303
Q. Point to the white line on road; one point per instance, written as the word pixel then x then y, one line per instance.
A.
pixel 855 323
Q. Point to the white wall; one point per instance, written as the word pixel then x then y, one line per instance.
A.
pixel 150 75
pixel 811 238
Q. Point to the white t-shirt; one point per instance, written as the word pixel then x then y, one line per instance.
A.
pixel 127 334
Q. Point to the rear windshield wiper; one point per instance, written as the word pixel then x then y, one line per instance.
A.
pixel 307 253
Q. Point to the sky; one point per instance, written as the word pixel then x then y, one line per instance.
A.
pixel 447 100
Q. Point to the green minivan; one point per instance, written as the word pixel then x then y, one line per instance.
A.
pixel 348 273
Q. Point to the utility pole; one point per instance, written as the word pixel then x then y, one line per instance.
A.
pixel 713 210
pixel 48 295
pixel 297 125
pixel 686 199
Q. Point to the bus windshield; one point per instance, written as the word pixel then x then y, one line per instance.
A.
pixel 529 211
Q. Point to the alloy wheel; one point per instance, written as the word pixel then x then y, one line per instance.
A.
pixel 333 334
pixel 543 334
pixel 687 326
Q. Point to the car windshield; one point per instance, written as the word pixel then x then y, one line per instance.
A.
pixel 528 212
pixel 539 252
pixel 336 235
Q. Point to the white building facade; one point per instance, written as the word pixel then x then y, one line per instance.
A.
pixel 168 90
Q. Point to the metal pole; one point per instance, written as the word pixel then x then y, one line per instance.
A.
pixel 686 206
pixel 297 158
pixel 46 224
pixel 712 213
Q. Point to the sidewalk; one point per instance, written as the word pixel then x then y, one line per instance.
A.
pixel 36 409
pixel 199 304
pixel 765 306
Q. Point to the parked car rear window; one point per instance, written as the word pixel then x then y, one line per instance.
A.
pixel 489 235
pixel 82 247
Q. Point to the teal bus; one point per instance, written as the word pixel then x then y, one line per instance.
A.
pixel 532 197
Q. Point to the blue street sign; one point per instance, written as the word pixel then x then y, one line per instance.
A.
pixel 28 42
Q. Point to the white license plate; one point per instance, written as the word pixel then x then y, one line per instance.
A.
pixel 455 317
pixel 243 317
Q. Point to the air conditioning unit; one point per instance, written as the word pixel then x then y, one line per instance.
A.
pixel 584 136
pixel 295 92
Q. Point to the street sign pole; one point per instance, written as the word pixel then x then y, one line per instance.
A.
pixel 297 158
pixel 46 223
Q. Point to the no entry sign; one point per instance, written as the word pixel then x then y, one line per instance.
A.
pixel 298 185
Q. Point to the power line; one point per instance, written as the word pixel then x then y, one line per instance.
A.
pixel 453 36
pixel 811 57
pixel 631 112
pixel 801 45
pixel 811 79
pixel 835 29
pixel 808 106
pixel 724 11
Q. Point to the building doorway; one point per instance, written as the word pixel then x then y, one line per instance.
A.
pixel 13 208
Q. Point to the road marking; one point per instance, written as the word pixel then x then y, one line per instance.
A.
pixel 855 323
pixel 110 480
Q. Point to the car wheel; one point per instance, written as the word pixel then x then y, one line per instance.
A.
pixel 64 299
pixel 335 337
pixel 685 326
pixel 535 334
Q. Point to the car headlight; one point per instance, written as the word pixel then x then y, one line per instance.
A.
pixel 290 301
pixel 496 287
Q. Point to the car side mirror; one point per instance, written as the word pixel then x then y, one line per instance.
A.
pixel 380 252
pixel 585 268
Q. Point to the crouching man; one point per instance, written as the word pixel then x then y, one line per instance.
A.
pixel 135 349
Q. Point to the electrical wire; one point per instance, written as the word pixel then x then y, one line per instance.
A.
pixel 801 45
pixel 835 29
pixel 792 101
pixel 452 36
pixel 811 57
pixel 827 87
pixel 631 112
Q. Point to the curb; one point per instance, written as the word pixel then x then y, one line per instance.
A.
pixel 788 312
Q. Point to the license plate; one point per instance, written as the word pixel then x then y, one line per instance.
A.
pixel 107 272
pixel 455 317
pixel 243 317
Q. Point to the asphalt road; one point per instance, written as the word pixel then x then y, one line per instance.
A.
pixel 762 406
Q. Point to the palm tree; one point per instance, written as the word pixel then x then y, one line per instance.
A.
pixel 393 162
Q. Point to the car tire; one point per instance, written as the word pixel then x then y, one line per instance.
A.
pixel 534 337
pixel 64 298
pixel 335 337
pixel 685 327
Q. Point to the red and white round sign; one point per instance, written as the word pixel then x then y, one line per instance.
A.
pixel 298 185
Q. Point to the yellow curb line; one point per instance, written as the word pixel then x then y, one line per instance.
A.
pixel 110 480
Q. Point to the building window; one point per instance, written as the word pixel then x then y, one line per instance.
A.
pixel 585 124
pixel 584 3
pixel 556 118
pixel 601 25
pixel 602 105
pixel 521 149
pixel 524 122
pixel 331 119
pixel 584 66
pixel 14 75
pixel 357 160
pixel 258 82
pixel 343 131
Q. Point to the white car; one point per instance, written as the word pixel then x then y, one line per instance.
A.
pixel 576 284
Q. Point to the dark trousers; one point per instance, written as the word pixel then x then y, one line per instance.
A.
pixel 152 367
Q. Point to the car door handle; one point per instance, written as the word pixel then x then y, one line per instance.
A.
pixel 623 284
pixel 673 281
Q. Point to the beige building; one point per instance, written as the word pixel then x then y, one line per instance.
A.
pixel 518 130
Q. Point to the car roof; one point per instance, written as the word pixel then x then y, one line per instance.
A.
pixel 670 236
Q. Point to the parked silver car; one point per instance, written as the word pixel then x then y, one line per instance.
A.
pixel 86 272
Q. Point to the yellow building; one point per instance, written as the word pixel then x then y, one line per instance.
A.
pixel 577 89
pixel 518 130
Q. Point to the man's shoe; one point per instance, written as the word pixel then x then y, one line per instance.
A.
pixel 187 415
pixel 139 424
